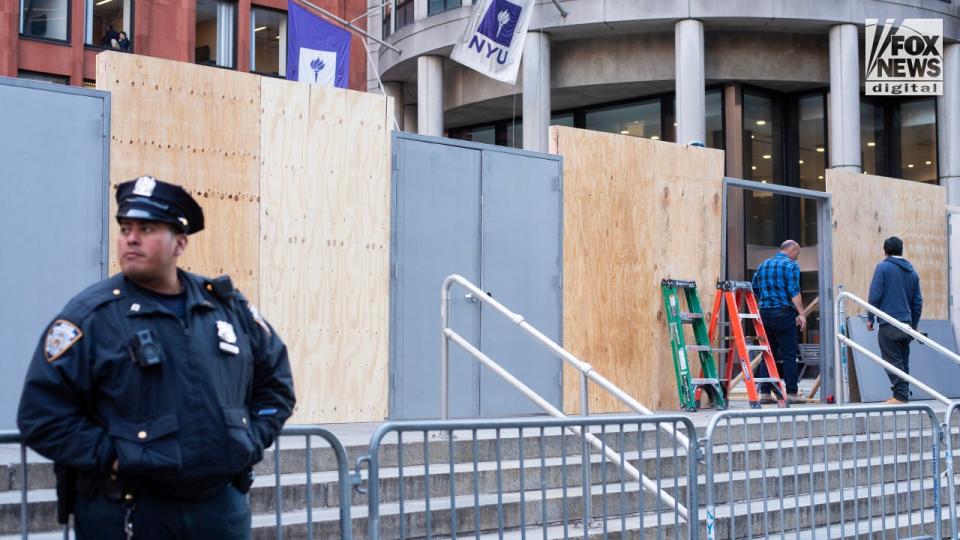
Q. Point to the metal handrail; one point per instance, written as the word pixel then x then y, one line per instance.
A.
pixel 844 341
pixel 585 369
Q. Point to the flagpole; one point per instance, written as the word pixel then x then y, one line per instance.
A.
pixel 347 24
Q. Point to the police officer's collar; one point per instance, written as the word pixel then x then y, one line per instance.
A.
pixel 140 302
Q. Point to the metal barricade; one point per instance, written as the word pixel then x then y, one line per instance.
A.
pixel 523 478
pixel 949 430
pixel 823 473
pixel 300 523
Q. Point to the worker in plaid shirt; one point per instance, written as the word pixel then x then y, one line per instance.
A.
pixel 777 287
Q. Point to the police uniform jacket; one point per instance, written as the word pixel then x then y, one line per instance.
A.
pixel 219 396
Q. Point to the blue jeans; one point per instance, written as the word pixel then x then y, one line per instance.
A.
pixel 781 327
pixel 225 515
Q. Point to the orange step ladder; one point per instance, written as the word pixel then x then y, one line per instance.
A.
pixel 732 293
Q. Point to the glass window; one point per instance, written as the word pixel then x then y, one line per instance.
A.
pixel 268 39
pixel 714 120
pixel 898 138
pixel 762 138
pixel 215 33
pixel 482 134
pixel 565 119
pixel 811 142
pixel 762 161
pixel 108 24
pixel 439 6
pixel 514 134
pixel 47 19
pixel 405 13
pixel 45 77
pixel 918 140
pixel 636 119
pixel 873 142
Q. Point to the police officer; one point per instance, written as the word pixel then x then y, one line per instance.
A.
pixel 156 391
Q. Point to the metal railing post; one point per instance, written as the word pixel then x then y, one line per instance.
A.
pixel 586 463
pixel 444 351
pixel 840 360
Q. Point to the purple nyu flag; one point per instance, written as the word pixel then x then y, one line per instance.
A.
pixel 317 52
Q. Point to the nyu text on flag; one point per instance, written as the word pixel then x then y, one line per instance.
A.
pixel 492 42
pixel 318 52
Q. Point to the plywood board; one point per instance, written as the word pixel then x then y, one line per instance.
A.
pixel 635 212
pixel 200 128
pixel 325 245
pixel 295 185
pixel 868 209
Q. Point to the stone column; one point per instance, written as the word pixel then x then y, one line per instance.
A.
pixel 690 92
pixel 844 99
pixel 430 95
pixel 536 92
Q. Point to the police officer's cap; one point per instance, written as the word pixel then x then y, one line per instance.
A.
pixel 149 199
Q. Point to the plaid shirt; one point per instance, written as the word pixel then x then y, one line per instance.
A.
pixel 776 282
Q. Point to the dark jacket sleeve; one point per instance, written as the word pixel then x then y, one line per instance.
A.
pixel 272 397
pixel 54 414
pixel 916 303
pixel 876 290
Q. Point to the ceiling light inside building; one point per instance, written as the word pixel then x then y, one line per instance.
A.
pixel 910 166
pixel 820 149
pixel 801 162
pixel 259 28
pixel 751 137
pixel 624 131
pixel 871 144
pixel 761 122
pixel 753 167
pixel 766 156
pixel 655 138
pixel 928 162
pixel 102 2
pixel 819 178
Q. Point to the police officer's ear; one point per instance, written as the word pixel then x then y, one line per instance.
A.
pixel 181 243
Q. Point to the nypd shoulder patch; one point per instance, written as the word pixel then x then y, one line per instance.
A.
pixel 258 318
pixel 60 337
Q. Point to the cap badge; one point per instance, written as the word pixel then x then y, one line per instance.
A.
pixel 144 186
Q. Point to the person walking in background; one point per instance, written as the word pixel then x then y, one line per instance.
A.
pixel 776 284
pixel 895 290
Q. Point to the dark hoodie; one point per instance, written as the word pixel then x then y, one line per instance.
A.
pixel 895 289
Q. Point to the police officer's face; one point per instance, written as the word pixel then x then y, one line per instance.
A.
pixel 148 250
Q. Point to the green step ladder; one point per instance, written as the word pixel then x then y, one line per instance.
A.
pixel 709 380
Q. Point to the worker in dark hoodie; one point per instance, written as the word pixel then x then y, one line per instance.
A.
pixel 895 290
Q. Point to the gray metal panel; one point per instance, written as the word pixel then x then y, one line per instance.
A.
pixel 927 365
pixel 436 232
pixel 54 168
pixel 522 264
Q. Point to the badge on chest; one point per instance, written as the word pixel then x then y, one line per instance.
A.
pixel 228 338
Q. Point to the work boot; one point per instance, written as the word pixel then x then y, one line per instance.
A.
pixel 768 399
pixel 795 399
pixel 895 401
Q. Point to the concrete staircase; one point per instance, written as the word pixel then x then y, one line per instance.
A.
pixel 849 472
